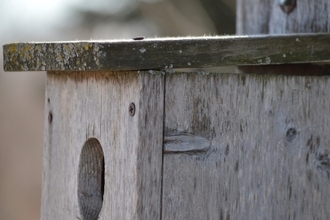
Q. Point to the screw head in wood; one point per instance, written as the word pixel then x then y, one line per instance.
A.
pixel 291 134
pixel 287 6
pixel 131 109
pixel 50 117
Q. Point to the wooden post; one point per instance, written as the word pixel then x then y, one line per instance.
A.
pixel 122 143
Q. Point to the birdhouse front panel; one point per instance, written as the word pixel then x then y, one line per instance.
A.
pixel 103 145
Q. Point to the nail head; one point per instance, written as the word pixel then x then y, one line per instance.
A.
pixel 50 117
pixel 138 38
pixel 131 109
pixel 291 134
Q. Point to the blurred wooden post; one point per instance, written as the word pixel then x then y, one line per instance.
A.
pixel 268 17
pixel 255 17
pixel 128 138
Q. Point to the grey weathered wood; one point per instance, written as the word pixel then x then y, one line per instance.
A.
pixel 269 154
pixel 167 53
pixel 235 146
pixel 185 143
pixel 288 69
pixel 266 17
pixel 96 105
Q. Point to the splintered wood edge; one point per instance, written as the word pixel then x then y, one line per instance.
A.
pixel 167 53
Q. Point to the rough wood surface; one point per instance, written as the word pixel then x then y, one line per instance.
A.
pixel 185 143
pixel 288 69
pixel 269 154
pixel 267 17
pixel 167 53
pixel 96 105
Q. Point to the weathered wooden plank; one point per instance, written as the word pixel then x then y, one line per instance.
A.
pixel 267 17
pixel 269 154
pixel 288 69
pixel 164 53
pixel 91 108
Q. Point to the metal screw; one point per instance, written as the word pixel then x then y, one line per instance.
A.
pixel 131 109
pixel 50 117
pixel 287 5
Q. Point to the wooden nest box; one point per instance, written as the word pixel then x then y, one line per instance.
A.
pixel 127 137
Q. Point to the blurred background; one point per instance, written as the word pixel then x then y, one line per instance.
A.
pixel 22 93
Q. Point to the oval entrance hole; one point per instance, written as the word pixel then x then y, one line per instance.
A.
pixel 91 179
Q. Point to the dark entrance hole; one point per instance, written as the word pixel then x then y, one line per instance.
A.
pixel 91 179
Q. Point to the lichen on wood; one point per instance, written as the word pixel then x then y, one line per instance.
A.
pixel 167 53
pixel 52 56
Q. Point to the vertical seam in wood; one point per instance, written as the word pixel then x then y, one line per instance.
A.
pixel 162 168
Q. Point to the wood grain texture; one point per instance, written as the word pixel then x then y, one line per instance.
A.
pixel 167 53
pixel 288 69
pixel 267 17
pixel 269 154
pixel 96 105
pixel 185 143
